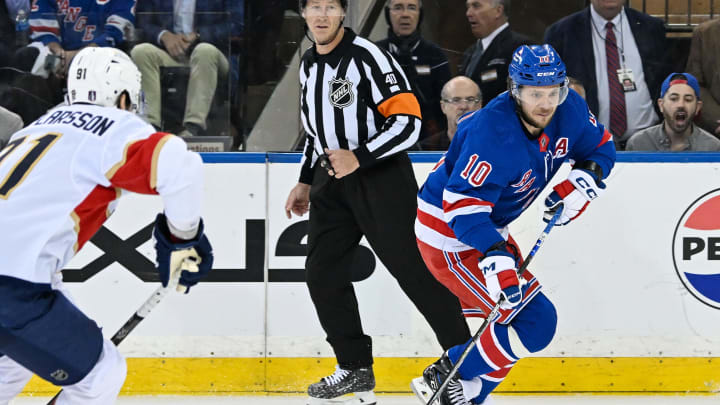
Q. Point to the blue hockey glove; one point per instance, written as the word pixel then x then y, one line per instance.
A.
pixel 501 278
pixel 575 193
pixel 193 257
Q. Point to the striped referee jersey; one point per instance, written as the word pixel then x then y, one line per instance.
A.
pixel 357 98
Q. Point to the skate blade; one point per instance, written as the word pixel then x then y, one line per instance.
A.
pixel 357 398
pixel 422 390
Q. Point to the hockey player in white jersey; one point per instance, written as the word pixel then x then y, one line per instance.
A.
pixel 60 178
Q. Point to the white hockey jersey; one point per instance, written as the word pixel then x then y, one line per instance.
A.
pixel 60 178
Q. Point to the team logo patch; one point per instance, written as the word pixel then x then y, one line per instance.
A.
pixel 341 94
pixel 696 249
pixel 543 141
pixel 59 375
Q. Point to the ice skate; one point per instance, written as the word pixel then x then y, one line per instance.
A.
pixel 433 376
pixel 344 387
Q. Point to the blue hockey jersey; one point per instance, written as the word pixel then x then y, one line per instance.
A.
pixel 78 23
pixel 493 171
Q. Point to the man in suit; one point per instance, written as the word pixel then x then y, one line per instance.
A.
pixel 619 55
pixel 487 61
pixel 423 62
pixel 186 33
pixel 703 63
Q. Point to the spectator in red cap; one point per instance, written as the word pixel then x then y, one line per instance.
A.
pixel 679 103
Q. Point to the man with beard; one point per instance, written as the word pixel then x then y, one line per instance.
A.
pixel 423 62
pixel 679 103
pixel 501 160
pixel 356 180
pixel 459 96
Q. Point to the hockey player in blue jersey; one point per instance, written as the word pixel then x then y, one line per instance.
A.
pixel 500 160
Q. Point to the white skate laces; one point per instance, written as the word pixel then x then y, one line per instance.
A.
pixel 337 376
pixel 455 393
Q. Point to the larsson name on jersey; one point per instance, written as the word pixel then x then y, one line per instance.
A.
pixel 95 124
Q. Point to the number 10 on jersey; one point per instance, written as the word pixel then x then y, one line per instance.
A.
pixel 474 173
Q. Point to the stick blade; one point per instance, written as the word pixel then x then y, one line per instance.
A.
pixel 422 390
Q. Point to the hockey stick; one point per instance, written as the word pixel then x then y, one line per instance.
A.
pixel 493 313
pixel 139 315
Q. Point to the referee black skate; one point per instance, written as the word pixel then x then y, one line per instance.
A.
pixel 360 116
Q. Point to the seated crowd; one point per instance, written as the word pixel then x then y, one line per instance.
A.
pixel 616 57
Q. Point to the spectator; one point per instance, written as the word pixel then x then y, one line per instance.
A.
pixel 459 96
pixel 84 23
pixel 577 85
pixel 601 40
pixel 703 62
pixel 186 33
pixel 487 61
pixel 423 62
pixel 679 103
pixel 59 30
pixel 9 124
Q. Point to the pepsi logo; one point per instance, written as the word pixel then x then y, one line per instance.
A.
pixel 696 249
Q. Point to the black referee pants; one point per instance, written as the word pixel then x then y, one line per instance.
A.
pixel 379 203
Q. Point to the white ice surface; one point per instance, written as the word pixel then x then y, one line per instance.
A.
pixel 408 400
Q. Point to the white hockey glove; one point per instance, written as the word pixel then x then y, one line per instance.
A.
pixel 501 278
pixel 575 194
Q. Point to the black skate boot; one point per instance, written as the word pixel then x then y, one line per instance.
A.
pixel 433 377
pixel 330 389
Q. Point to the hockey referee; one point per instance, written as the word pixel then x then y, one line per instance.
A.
pixel 360 116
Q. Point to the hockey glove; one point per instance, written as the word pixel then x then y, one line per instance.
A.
pixel 575 194
pixel 193 257
pixel 501 278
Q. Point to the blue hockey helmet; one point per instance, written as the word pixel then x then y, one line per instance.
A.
pixel 537 65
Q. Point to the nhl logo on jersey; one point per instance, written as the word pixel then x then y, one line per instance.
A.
pixel 696 249
pixel 341 94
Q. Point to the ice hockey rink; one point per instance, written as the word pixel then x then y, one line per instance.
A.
pixel 409 400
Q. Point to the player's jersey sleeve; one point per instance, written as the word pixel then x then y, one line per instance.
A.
pixel 148 162
pixel 309 157
pixel 119 21
pixel 595 142
pixel 44 26
pixel 393 99
pixel 474 186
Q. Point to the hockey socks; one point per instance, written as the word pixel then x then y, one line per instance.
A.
pixel 491 353
pixel 489 381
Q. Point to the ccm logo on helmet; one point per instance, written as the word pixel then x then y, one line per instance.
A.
pixel 696 249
